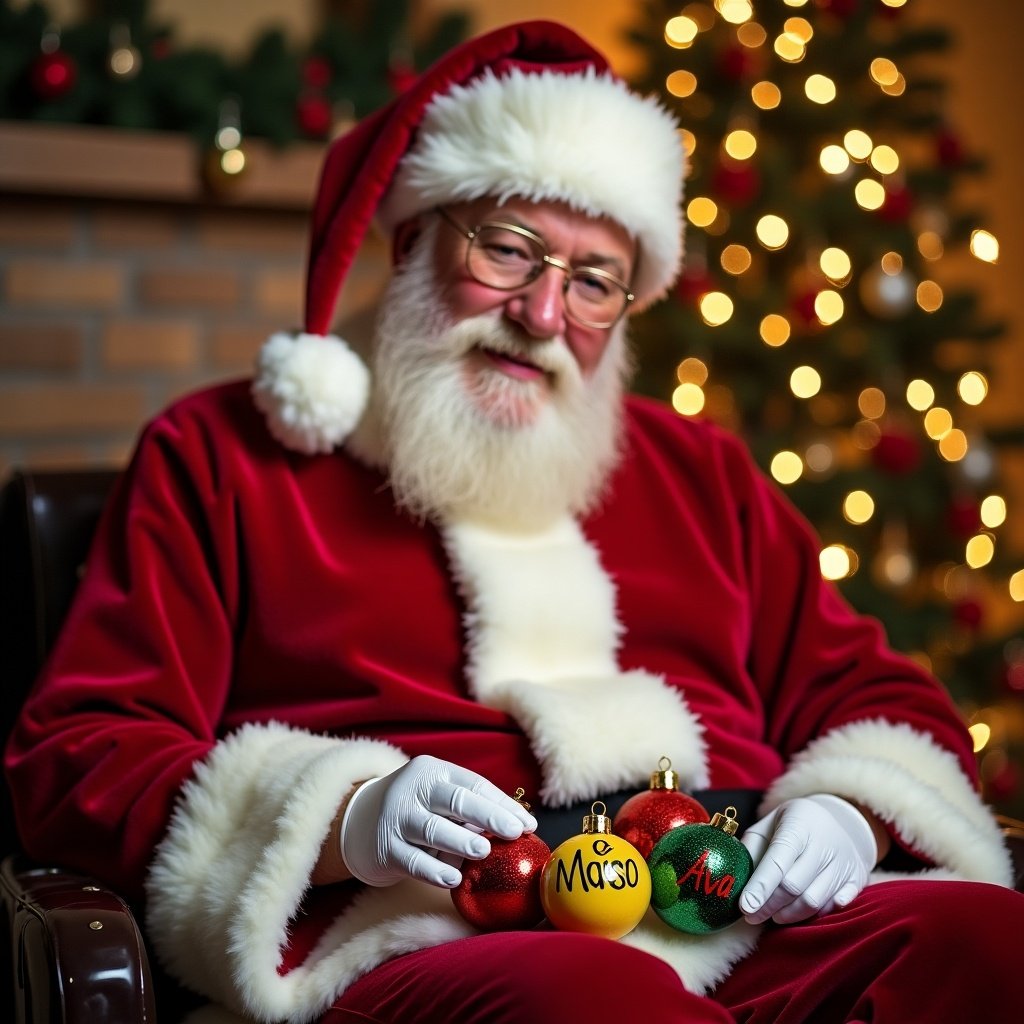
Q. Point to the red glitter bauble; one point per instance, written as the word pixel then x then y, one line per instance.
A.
pixel 645 817
pixel 896 453
pixel 53 74
pixel 502 891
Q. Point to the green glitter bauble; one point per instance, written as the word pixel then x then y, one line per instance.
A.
pixel 697 875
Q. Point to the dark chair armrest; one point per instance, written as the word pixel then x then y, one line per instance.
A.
pixel 1013 832
pixel 78 955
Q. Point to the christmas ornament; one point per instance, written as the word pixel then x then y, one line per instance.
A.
pixel 644 818
pixel 897 452
pixel 949 148
pixel 693 283
pixel 226 160
pixel 963 517
pixel 596 882
pixel 885 295
pixel 313 115
pixel 736 184
pixel 502 891
pixel 698 873
pixel 898 203
pixel 53 73
pixel 316 72
pixel 969 613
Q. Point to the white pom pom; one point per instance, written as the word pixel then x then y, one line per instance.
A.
pixel 312 389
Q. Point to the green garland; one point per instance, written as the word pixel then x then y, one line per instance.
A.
pixel 119 67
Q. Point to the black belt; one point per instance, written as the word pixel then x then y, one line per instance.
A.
pixel 556 824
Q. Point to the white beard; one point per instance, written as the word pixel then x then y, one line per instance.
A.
pixel 461 443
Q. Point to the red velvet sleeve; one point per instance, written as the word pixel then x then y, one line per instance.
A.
pixel 132 692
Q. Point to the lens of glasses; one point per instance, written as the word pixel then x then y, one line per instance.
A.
pixel 501 257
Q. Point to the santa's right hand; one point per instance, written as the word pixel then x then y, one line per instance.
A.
pixel 409 823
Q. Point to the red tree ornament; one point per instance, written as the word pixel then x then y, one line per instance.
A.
pixel 644 818
pixel 694 282
pixel 502 891
pixel 401 75
pixel 313 115
pixel 53 74
pixel 899 201
pixel 736 184
pixel 969 613
pixel 964 516
pixel 316 72
pixel 897 453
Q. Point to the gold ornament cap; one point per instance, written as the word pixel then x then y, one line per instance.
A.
pixel 520 798
pixel 665 777
pixel 597 820
pixel 727 822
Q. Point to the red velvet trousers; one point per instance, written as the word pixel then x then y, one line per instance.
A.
pixel 904 952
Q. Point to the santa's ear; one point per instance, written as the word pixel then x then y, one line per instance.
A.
pixel 404 239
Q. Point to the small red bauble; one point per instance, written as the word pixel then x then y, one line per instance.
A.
pixel 736 183
pixel 644 818
pixel 502 891
pixel 316 71
pixel 692 284
pixel 964 516
pixel 896 453
pixel 53 74
pixel 313 115
pixel 401 76
pixel 969 613
pixel 899 201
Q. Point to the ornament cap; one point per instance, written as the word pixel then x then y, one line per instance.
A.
pixel 597 820
pixel 726 821
pixel 665 777
pixel 520 798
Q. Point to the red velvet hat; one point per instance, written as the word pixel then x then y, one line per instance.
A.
pixel 529 110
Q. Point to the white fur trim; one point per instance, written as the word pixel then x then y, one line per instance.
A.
pixel 235 864
pixel 313 390
pixel 583 139
pixel 903 776
pixel 701 961
pixel 542 639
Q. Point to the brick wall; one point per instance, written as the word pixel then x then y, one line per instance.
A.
pixel 118 295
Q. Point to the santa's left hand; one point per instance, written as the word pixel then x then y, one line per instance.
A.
pixel 812 854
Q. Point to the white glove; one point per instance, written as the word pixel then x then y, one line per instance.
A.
pixel 393 826
pixel 812 854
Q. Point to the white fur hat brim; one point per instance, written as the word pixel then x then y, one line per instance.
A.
pixel 584 139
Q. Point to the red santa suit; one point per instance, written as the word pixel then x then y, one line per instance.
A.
pixel 259 628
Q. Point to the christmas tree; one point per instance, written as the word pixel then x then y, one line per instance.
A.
pixel 819 317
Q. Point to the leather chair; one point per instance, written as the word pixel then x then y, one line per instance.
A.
pixel 76 952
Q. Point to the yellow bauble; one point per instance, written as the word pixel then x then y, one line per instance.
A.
pixel 596 882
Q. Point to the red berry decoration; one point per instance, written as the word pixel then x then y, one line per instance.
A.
pixel 644 818
pixel 53 74
pixel 897 453
pixel 502 891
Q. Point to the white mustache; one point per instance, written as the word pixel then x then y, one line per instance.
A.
pixel 551 355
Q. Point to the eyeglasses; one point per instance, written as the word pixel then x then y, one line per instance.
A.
pixel 507 256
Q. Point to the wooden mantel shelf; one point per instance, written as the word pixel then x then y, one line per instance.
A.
pixel 110 163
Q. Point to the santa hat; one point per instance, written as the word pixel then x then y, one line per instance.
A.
pixel 529 110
